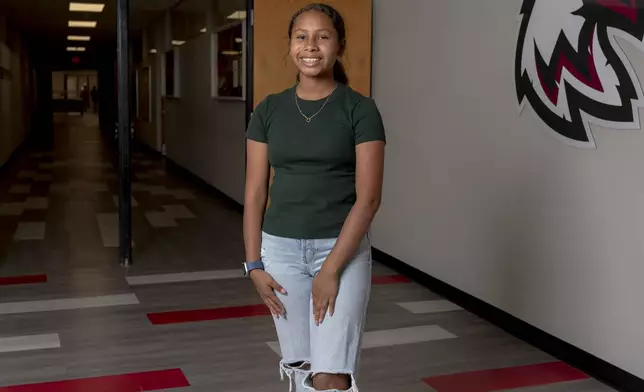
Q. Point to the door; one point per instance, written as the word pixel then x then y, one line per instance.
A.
pixel 273 70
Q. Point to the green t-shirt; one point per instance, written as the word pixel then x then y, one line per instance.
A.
pixel 313 188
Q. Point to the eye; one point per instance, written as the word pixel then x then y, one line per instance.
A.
pixel 300 37
pixel 323 37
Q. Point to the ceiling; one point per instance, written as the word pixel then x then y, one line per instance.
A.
pixel 46 20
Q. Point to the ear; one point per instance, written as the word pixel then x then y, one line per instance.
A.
pixel 343 45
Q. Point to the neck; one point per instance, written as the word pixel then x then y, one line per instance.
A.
pixel 315 88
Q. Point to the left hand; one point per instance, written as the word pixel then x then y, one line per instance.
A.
pixel 325 290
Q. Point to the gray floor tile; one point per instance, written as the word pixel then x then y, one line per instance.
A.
pixel 36 203
pixel 20 189
pixel 11 209
pixel 160 219
pixel 179 211
pixel 27 231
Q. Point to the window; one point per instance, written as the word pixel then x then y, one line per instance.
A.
pixel 230 61
pixel 169 73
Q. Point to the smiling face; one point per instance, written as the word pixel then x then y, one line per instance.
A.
pixel 314 44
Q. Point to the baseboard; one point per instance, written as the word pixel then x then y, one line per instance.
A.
pixel 595 367
pixel 566 352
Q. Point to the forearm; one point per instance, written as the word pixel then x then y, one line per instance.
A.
pixel 255 204
pixel 353 231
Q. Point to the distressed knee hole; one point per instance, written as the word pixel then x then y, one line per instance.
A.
pixel 295 371
pixel 331 381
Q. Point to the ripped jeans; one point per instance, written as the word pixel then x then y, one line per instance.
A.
pixel 333 347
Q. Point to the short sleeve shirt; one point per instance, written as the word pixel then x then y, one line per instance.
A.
pixel 313 188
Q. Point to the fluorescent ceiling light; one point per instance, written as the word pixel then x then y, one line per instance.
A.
pixel 78 38
pixel 178 43
pixel 81 23
pixel 75 49
pixel 203 30
pixel 237 15
pixel 86 7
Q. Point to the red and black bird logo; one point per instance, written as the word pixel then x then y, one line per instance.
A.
pixel 571 68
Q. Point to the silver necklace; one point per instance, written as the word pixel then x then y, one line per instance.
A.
pixel 309 118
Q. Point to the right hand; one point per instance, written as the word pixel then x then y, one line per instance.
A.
pixel 266 287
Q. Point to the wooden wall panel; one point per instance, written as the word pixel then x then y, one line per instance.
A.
pixel 273 68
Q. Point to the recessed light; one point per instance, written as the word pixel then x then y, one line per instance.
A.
pixel 86 7
pixel 203 30
pixel 239 40
pixel 78 37
pixel 81 23
pixel 178 43
pixel 237 15
pixel 153 51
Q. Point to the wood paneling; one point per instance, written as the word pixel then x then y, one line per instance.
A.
pixel 273 68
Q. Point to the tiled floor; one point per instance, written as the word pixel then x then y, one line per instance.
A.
pixel 183 316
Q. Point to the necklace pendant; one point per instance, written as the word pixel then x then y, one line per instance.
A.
pixel 308 120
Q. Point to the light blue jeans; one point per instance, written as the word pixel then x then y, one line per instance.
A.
pixel 333 347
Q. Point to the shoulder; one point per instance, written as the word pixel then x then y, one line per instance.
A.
pixel 273 101
pixel 358 104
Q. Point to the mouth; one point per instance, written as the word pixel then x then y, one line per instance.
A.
pixel 310 61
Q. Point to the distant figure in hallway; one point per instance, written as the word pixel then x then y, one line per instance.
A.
pixel 84 96
pixel 95 98
pixel 309 253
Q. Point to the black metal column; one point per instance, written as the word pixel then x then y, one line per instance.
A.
pixel 125 185
pixel 250 40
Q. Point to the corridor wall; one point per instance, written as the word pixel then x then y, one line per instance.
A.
pixel 493 201
pixel 203 134
pixel 14 90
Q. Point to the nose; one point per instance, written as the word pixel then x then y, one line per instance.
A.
pixel 311 44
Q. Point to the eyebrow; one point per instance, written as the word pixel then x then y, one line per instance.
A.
pixel 305 30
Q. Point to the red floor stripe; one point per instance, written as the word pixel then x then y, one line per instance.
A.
pixel 27 279
pixel 187 316
pixel 389 279
pixel 506 378
pixel 135 382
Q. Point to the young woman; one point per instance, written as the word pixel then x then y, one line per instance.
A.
pixel 308 253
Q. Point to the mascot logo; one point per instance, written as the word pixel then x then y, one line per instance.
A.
pixel 571 70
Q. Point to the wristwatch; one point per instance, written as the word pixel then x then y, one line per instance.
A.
pixel 252 265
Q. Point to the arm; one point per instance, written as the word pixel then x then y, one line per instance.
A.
pixel 256 192
pixel 369 179
pixel 257 169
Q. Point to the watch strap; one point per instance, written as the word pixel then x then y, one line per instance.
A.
pixel 253 265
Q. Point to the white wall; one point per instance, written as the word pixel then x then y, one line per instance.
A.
pixel 488 200
pixel 203 134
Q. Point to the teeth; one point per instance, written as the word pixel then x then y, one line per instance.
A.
pixel 310 59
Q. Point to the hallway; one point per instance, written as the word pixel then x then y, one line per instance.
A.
pixel 183 316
